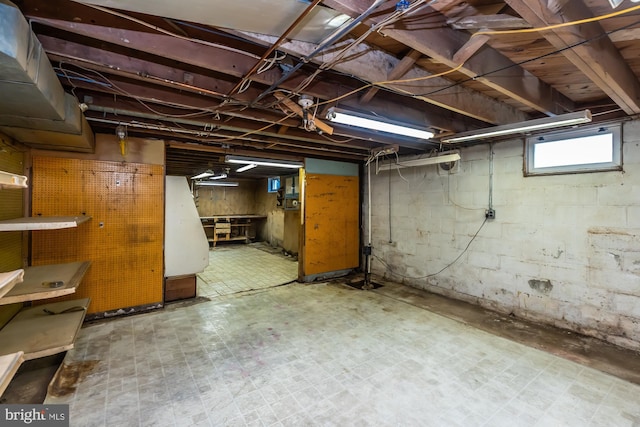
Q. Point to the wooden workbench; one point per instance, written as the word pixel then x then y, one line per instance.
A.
pixel 226 228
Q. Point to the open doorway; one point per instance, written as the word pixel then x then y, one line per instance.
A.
pixel 253 230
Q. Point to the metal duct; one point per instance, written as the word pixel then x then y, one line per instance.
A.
pixel 34 108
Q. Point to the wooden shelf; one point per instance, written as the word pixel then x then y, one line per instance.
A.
pixel 9 364
pixel 11 180
pixel 42 223
pixel 8 280
pixel 33 286
pixel 39 334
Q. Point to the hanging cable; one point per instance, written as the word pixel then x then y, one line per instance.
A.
pixel 491 154
pixel 561 25
pixel 526 61
pixel 390 270
pixel 390 240
pixel 383 84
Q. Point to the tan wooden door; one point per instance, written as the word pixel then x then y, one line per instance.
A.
pixel 331 237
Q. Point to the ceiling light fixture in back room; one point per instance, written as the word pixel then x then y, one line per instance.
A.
pixel 205 174
pixel 263 162
pixel 216 184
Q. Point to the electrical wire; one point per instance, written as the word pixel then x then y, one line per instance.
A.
pixel 390 240
pixel 491 154
pixel 111 84
pixel 450 200
pixel 390 269
pixel 382 84
pixel 561 25
pixel 526 61
pixel 204 112
pixel 344 141
pixel 378 27
pixel 337 58
pixel 244 135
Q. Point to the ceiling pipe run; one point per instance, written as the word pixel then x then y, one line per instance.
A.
pixel 274 46
pixel 207 127
pixel 202 136
pixel 329 41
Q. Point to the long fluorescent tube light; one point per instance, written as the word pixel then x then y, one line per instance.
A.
pixel 358 121
pixel 420 162
pixel 221 176
pixel 205 174
pixel 528 126
pixel 217 184
pixel 247 167
pixel 263 162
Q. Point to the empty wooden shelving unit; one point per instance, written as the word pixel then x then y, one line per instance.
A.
pixel 39 330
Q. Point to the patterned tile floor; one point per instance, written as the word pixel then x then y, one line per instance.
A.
pixel 238 267
pixel 327 355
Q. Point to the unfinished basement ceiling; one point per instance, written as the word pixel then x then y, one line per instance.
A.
pixel 211 79
pixel 260 16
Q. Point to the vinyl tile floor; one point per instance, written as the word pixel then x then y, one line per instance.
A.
pixel 325 354
pixel 239 267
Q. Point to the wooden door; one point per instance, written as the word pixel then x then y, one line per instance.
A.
pixel 331 224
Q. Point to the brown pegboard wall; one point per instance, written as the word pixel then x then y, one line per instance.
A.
pixel 124 238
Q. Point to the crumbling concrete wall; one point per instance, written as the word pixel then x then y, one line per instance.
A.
pixel 563 249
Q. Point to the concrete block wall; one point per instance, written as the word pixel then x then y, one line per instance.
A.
pixel 563 249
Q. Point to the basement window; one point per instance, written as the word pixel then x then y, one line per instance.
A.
pixel 591 149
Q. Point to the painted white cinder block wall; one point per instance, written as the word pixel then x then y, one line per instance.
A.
pixel 563 249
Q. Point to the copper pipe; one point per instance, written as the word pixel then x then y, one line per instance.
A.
pixel 275 45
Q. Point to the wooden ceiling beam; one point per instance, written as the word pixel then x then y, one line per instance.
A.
pixel 128 107
pixel 399 70
pixel 250 121
pixel 373 65
pixel 470 48
pixel 207 57
pixel 442 43
pixel 493 22
pixel 105 61
pixel 592 51
pixel 270 153
pixel 235 64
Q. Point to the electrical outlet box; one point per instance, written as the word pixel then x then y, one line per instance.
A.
pixel 490 214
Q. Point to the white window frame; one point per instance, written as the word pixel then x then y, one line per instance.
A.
pixel 615 165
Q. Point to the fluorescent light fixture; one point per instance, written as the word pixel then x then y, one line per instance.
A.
pixel 528 126
pixel 420 162
pixel 217 184
pixel 221 176
pixel 362 122
pixel 247 167
pixel 205 174
pixel 263 162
